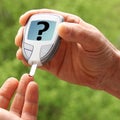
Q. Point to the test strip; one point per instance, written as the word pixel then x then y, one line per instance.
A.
pixel 33 69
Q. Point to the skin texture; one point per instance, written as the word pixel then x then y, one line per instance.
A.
pixel 85 56
pixel 25 103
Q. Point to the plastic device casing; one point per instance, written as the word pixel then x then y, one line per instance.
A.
pixel 41 51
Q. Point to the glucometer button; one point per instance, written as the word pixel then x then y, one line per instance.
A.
pixel 27 50
pixel 28 53
pixel 28 46
pixel 45 50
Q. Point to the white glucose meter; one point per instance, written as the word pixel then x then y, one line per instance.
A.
pixel 40 38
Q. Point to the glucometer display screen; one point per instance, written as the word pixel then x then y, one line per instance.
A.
pixel 41 30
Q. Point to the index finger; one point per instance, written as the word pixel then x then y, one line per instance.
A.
pixel 18 101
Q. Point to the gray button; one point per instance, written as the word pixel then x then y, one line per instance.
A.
pixel 27 50
pixel 45 50
pixel 28 53
pixel 28 46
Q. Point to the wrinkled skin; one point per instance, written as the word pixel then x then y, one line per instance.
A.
pixel 85 56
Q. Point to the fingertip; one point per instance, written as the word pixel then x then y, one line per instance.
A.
pixel 22 20
pixel 33 89
pixel 19 54
pixel 12 80
pixel 10 84
pixel 27 76
pixel 63 30
pixel 18 38
pixel 33 85
pixel 70 31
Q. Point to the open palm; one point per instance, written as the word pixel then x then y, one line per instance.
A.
pixel 25 103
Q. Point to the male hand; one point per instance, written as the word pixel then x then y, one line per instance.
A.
pixel 84 57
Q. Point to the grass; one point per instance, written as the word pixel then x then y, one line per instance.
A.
pixel 58 99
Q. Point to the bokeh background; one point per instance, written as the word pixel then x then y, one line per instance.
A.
pixel 60 100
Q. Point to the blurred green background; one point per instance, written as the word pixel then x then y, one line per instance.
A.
pixel 58 99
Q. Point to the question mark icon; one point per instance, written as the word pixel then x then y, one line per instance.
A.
pixel 45 28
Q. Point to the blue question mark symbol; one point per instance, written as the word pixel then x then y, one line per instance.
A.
pixel 45 28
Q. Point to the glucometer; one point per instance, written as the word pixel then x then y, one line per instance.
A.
pixel 40 39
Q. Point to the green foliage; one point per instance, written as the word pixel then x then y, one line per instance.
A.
pixel 58 99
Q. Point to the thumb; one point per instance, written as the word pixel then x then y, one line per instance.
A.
pixel 86 35
pixel 70 31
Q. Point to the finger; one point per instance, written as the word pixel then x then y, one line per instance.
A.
pixel 20 56
pixel 78 33
pixel 70 31
pixel 18 101
pixel 7 91
pixel 30 107
pixel 67 17
pixel 19 36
